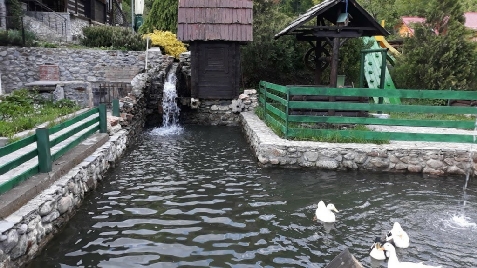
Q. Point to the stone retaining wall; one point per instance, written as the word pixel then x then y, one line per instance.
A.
pixel 19 66
pixel 26 231
pixel 428 158
pixel 221 112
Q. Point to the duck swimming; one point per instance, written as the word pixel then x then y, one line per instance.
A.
pixel 395 263
pixel 324 213
pixel 397 235
pixel 376 251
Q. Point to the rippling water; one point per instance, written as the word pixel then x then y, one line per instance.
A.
pixel 199 199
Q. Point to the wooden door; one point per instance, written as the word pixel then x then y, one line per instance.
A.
pixel 218 70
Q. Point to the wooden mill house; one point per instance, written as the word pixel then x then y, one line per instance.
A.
pixel 215 30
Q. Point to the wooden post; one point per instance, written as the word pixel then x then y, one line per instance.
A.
pixel 44 151
pixel 318 71
pixel 103 127
pixel 334 69
pixel 115 107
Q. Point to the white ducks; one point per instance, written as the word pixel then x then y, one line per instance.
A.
pixel 395 263
pixel 398 236
pixel 324 213
pixel 376 251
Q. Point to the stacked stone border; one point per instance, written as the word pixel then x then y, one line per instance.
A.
pixel 27 230
pixel 427 158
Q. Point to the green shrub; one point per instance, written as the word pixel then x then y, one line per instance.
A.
pixel 14 38
pixel 112 37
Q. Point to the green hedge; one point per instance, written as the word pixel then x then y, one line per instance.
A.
pixel 112 37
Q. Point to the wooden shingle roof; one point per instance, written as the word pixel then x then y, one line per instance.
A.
pixel 206 20
pixel 328 10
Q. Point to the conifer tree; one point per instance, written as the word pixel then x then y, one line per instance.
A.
pixel 440 55
pixel 162 16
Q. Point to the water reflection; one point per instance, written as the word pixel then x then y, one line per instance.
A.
pixel 199 199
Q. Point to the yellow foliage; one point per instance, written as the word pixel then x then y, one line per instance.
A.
pixel 168 42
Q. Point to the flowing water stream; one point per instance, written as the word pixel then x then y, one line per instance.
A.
pixel 199 199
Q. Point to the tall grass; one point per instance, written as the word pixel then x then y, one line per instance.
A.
pixel 24 109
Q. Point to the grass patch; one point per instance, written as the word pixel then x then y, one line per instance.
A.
pixel 24 109
pixel 304 134
pixel 450 117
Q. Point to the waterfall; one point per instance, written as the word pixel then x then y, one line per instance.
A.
pixel 171 111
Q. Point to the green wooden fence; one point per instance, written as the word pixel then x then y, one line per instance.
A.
pixel 277 103
pixel 44 144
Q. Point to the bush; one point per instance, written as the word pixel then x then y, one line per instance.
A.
pixel 14 38
pixel 168 42
pixel 112 37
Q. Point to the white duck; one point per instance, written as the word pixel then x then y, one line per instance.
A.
pixel 395 263
pixel 324 213
pixel 398 236
pixel 376 252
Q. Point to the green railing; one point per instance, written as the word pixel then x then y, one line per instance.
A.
pixel 44 143
pixel 278 104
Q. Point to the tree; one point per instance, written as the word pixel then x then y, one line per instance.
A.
pixel 162 16
pixel 276 61
pixel 296 7
pixel 440 54
pixel 3 14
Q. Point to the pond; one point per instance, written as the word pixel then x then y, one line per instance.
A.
pixel 199 198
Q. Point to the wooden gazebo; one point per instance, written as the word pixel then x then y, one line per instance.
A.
pixel 326 26
pixel 215 30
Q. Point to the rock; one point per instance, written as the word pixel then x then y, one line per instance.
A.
pixel 434 164
pixel 262 159
pixel 50 217
pixel 237 106
pixel 65 204
pixel 20 249
pixel 414 168
pixel 23 229
pixel 310 156
pixel 10 242
pixel 46 208
pixel 455 170
pixel 327 164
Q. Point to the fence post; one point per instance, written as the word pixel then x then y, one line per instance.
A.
pixel 44 150
pixel 115 107
pixel 361 70
pixel 287 113
pixel 265 102
pixel 103 127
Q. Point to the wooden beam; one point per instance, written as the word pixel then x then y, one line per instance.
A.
pixel 320 34
pixel 335 28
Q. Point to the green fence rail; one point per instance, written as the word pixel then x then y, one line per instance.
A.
pixel 44 142
pixel 278 104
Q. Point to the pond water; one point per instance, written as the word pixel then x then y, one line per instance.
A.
pixel 200 199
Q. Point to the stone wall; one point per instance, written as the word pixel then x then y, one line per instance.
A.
pixel 428 158
pixel 26 231
pixel 19 66
pixel 220 112
pixel 49 26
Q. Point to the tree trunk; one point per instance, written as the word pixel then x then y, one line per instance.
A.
pixel 3 14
